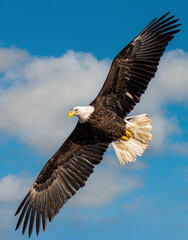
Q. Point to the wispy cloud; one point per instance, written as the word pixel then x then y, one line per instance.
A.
pixel 181 147
pixel 105 186
pixel 12 58
pixel 13 187
pixel 6 218
pixel 111 161
pixel 133 206
pixel 101 189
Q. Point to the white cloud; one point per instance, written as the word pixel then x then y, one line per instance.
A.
pixel 102 187
pixel 12 58
pixel 14 187
pixel 162 127
pixel 37 93
pixel 170 83
pixel 172 77
pixel 105 186
pixel 41 92
pixel 169 86
pixel 111 161
pixel 138 165
pixel 6 218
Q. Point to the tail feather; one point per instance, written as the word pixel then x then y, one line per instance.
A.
pixel 140 127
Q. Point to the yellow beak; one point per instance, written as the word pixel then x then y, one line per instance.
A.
pixel 71 113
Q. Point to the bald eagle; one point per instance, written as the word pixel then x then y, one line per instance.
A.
pixel 101 123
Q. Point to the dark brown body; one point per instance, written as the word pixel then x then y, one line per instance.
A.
pixel 106 123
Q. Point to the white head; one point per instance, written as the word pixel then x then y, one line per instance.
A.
pixel 83 113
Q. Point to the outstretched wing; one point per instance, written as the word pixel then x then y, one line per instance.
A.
pixel 135 66
pixel 61 177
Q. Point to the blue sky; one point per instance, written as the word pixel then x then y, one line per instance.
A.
pixel 55 55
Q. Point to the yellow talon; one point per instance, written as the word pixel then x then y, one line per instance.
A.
pixel 127 135
pixel 125 138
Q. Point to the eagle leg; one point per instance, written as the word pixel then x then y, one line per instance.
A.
pixel 127 135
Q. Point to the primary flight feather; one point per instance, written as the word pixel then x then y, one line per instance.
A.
pixel 101 123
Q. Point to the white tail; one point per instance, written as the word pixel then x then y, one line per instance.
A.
pixel 140 127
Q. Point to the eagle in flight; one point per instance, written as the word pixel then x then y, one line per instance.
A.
pixel 101 123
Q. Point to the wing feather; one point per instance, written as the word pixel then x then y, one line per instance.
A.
pixel 38 222
pixel 134 67
pixel 26 219
pixel 61 177
pixel 32 217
